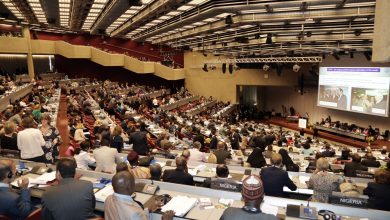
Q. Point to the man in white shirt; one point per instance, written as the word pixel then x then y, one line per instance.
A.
pixel 30 141
pixel 105 157
pixel 195 154
pixel 82 157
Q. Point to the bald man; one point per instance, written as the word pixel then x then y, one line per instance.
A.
pixel 13 205
pixel 180 174
pixel 121 205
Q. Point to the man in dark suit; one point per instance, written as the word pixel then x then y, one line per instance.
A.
pixel 180 174
pixel 139 140
pixel 370 161
pixel 71 198
pixel 235 140
pixel 221 154
pixel 342 101
pixel 199 137
pixel 214 139
pixel 13 205
pixel 351 167
pixel 274 178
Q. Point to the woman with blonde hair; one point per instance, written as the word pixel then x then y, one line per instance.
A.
pixel 9 138
pixel 52 139
pixel 116 138
pixel 79 133
pixel 322 182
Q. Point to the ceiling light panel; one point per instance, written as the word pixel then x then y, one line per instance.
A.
pixel 95 10
pixel 127 15
pixel 36 7
pixel 15 11
pixel 64 8
pixel 188 6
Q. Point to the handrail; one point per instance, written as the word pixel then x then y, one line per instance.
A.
pixel 144 54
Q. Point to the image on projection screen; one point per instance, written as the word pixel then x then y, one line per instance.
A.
pixel 356 89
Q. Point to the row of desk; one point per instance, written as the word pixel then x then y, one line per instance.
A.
pixel 270 204
pixel 20 92
pixel 200 108
pixel 179 103
pixel 340 132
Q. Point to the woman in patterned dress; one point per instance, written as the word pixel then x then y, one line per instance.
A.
pixel 322 182
pixel 52 139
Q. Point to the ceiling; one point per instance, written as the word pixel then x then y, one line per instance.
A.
pixel 222 27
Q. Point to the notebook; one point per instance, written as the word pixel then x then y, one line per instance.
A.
pixel 180 205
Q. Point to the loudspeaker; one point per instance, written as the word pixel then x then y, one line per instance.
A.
pixel 229 20
pixel 231 68
pixel 223 68
pixel 135 2
pixel 51 20
pixel 301 83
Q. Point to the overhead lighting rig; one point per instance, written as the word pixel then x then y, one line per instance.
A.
pixel 314 59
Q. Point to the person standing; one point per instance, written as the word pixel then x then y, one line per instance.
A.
pixel 30 141
pixel 52 139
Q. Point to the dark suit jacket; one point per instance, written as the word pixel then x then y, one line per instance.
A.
pixel 117 142
pixel 371 163
pixel 378 196
pixel 235 140
pixel 178 176
pixel 213 142
pixel 274 179
pixel 351 167
pixel 222 155
pixel 200 138
pixel 13 205
pixel 70 199
pixel 140 142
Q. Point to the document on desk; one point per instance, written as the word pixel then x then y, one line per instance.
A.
pixel 269 209
pixel 180 205
pixel 102 194
pixel 304 179
pixel 44 178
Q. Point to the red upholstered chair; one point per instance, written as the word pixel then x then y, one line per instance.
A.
pixel 3 217
pixel 35 215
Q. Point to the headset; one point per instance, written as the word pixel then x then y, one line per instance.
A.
pixel 327 215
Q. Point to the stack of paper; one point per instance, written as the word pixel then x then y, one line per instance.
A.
pixel 180 205
pixel 102 194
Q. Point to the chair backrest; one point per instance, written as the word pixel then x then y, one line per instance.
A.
pixel 35 215
pixel 4 217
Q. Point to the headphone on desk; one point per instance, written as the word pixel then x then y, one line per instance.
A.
pixel 327 215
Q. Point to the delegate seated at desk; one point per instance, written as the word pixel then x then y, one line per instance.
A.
pixel 322 182
pixel 13 205
pixel 180 174
pixel 350 168
pixel 274 178
pixel 253 195
pixel 222 180
pixel 71 198
pixel 122 206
